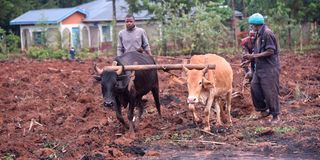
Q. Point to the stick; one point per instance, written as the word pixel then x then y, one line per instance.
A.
pixel 32 123
pixel 206 132
pixel 236 94
pixel 76 71
pixel 213 142
pixel 54 69
pixel 181 112
pixel 64 84
pixel 30 126
pixel 160 67
pixel 37 123
pixel 312 116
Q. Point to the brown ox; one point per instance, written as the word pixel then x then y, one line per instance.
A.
pixel 209 90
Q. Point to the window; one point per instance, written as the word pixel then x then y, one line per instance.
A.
pixel 106 34
pixel 38 38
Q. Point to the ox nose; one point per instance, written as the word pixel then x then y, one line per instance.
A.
pixel 192 100
pixel 108 103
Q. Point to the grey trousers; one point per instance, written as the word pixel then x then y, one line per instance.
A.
pixel 265 90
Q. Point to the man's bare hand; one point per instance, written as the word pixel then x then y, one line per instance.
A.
pixel 148 52
pixel 249 56
pixel 245 64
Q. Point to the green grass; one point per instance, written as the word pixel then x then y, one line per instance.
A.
pixel 181 136
pixel 284 129
pixel 254 132
pixel 8 156
pixel 152 138
pixel 4 56
pixel 259 130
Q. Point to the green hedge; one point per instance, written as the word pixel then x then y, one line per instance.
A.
pixel 47 53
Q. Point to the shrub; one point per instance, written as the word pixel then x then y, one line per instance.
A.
pixel 46 53
pixel 12 42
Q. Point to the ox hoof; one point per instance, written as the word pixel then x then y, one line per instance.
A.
pixel 219 124
pixel 207 129
pixel 197 120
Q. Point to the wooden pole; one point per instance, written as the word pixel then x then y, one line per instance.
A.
pixel 160 67
pixel 234 27
pixel 114 26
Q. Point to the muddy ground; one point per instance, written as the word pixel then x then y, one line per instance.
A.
pixel 52 109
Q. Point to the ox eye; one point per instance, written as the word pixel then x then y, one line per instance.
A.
pixel 200 83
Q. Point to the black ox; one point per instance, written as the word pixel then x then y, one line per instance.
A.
pixel 122 88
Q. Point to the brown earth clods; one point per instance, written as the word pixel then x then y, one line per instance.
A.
pixel 52 109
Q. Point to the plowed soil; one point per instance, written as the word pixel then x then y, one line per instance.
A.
pixel 52 109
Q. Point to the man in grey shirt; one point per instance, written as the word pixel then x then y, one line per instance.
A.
pixel 132 38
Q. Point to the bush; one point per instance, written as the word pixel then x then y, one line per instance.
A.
pixel 9 42
pixel 3 56
pixel 200 32
pixel 12 42
pixel 46 53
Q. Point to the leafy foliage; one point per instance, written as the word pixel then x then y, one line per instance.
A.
pixel 9 42
pixel 48 53
pixel 190 26
pixel 286 17
pixel 11 9
pixel 45 53
pixel 195 25
pixel 201 32
pixel 8 156
pixel 12 42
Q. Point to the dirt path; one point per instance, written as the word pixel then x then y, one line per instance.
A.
pixel 53 109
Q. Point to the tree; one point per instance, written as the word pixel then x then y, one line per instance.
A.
pixel 194 30
pixel 11 9
pixel 114 24
pixel 287 15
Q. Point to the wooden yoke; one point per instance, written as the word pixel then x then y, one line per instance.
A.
pixel 164 67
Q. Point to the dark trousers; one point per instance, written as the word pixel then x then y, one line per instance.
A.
pixel 265 90
pixel 72 56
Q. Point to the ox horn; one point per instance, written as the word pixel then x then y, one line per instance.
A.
pixel 204 70
pixel 97 69
pixel 119 71
pixel 185 69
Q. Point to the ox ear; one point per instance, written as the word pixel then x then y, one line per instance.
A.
pixel 133 73
pixel 97 69
pixel 179 80
pixel 131 83
pixel 98 78
pixel 120 70
pixel 207 84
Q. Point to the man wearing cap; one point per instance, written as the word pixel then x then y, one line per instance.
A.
pixel 265 81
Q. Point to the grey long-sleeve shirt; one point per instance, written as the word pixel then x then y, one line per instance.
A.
pixel 132 40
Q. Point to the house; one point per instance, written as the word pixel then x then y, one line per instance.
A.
pixel 84 26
